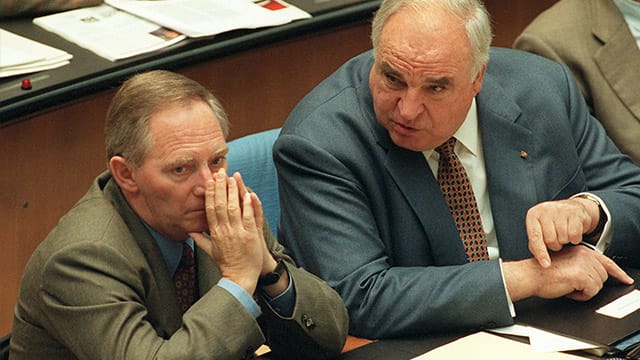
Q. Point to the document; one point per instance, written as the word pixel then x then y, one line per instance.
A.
pixel 197 18
pixel 482 345
pixel 21 55
pixel 109 32
pixel 622 306
pixel 606 320
pixel 544 341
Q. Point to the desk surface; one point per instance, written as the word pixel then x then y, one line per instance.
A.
pixel 397 349
pixel 89 73
pixel 409 348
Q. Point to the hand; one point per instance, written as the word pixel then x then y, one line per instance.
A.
pixel 576 272
pixel 236 241
pixel 269 263
pixel 554 224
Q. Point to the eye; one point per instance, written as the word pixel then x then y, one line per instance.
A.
pixel 218 162
pixel 393 81
pixel 179 170
pixel 437 88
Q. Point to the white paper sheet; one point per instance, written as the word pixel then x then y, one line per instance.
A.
pixel 21 55
pixel 482 345
pixel 109 32
pixel 196 18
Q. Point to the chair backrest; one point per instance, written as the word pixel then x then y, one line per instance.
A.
pixel 4 347
pixel 252 157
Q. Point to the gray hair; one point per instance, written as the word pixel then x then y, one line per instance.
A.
pixel 138 99
pixel 472 12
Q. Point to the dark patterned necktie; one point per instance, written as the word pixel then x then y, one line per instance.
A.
pixel 458 193
pixel 185 278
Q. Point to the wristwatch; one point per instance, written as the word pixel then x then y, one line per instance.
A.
pixel 272 277
pixel 601 221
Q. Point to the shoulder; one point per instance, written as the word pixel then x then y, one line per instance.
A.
pixel 350 76
pixel 565 16
pixel 509 65
pixel 92 223
pixel 530 82
pixel 335 109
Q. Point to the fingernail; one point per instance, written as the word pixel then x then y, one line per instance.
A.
pixel 545 263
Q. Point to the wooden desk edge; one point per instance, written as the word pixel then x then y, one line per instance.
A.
pixel 351 344
pixel 354 342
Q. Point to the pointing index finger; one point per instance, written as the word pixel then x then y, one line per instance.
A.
pixel 536 244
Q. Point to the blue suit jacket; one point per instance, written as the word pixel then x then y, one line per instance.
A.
pixel 369 216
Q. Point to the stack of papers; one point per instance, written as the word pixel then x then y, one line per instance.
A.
pixel 124 28
pixel 197 18
pixel 108 32
pixel 488 346
pixel 21 55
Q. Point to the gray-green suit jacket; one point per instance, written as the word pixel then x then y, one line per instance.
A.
pixel 98 288
pixel 593 39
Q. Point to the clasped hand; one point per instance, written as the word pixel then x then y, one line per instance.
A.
pixel 236 241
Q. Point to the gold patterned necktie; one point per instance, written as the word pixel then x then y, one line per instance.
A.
pixel 458 193
pixel 185 278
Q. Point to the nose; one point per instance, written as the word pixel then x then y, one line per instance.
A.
pixel 410 104
pixel 204 175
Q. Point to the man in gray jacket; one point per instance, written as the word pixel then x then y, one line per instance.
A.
pixel 117 278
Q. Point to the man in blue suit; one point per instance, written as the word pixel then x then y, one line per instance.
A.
pixel 362 206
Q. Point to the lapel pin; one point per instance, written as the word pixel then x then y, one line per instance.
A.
pixel 523 154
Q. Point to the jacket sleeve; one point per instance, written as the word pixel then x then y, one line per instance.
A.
pixel 318 326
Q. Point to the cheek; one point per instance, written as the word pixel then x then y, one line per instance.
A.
pixel 383 103
pixel 169 192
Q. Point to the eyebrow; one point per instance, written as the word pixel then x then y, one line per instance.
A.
pixel 440 81
pixel 180 161
pixel 386 68
pixel 221 151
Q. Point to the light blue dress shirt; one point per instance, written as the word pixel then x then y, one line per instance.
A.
pixel 172 252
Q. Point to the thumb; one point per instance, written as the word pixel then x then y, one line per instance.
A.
pixel 202 241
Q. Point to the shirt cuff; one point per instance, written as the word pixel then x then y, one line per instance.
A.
pixel 512 309
pixel 284 302
pixel 242 296
pixel 605 238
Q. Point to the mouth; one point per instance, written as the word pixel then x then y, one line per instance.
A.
pixel 402 129
pixel 198 211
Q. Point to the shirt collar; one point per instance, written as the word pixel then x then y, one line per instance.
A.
pixel 467 135
pixel 171 250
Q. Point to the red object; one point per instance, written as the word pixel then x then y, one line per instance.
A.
pixel 273 5
pixel 26 84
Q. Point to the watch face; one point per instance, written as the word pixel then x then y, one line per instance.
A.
pixel 271 278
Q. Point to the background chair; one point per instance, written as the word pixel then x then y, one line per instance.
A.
pixel 4 347
pixel 251 156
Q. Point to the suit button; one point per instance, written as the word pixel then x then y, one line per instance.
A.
pixel 308 322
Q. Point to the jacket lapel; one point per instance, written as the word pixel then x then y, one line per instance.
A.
pixel 164 312
pixel 509 154
pixel 616 57
pixel 412 175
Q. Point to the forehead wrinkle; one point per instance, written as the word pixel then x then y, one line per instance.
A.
pixel 422 71
pixel 189 158
pixel 420 45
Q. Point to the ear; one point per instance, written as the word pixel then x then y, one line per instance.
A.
pixel 477 82
pixel 122 172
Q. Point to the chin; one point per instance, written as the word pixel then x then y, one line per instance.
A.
pixel 405 142
pixel 198 227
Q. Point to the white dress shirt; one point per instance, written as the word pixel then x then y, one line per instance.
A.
pixel 469 150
